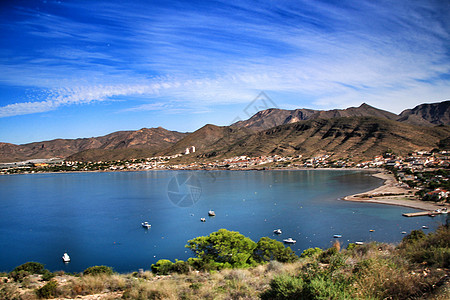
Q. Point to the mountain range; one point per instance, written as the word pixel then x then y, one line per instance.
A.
pixel 360 132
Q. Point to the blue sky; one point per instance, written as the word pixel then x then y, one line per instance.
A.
pixel 73 69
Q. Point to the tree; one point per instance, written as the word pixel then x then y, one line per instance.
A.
pixel 222 249
pixel 268 249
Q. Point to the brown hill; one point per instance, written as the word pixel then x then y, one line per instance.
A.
pixel 149 139
pixel 274 117
pixel 357 137
pixel 207 137
pixel 434 113
pixel 378 131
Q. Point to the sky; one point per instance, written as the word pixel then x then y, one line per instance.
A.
pixel 71 69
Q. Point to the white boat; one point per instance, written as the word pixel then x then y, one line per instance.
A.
pixel 203 219
pixel 359 243
pixel 211 213
pixel 336 236
pixel 277 231
pixel 425 227
pixel 289 241
pixel 146 225
pixel 66 257
pixel 403 232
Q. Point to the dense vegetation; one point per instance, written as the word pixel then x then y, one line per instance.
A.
pixel 228 265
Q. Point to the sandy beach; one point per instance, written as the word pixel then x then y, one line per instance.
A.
pixel 392 194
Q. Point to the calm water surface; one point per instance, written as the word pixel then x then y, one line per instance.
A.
pixel 96 217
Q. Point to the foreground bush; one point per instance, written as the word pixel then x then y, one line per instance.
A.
pixel 97 270
pixel 30 268
pixel 284 287
pixel 432 249
pixel 372 271
pixel 47 291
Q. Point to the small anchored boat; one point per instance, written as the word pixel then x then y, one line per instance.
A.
pixel 289 241
pixel 359 243
pixel 371 230
pixel 336 236
pixel 203 219
pixel 211 213
pixel 403 232
pixel 425 227
pixel 277 231
pixel 146 225
pixel 66 257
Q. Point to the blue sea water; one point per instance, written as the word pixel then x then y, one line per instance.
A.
pixel 96 217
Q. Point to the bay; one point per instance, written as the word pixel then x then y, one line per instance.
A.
pixel 96 217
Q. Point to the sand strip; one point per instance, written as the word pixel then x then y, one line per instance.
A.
pixel 392 194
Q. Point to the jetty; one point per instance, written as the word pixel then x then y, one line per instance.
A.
pixel 424 213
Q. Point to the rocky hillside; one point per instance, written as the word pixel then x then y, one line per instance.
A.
pixel 425 115
pixel 274 117
pixel 434 113
pixel 358 137
pixel 356 131
pixel 149 139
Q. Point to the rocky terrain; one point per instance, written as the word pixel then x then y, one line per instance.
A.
pixel 362 131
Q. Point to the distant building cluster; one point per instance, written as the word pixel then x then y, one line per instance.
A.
pixel 189 150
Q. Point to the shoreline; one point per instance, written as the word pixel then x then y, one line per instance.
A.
pixel 206 170
pixel 390 193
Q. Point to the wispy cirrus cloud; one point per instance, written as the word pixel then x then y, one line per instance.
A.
pixel 197 54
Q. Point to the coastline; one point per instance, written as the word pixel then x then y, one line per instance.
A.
pixel 391 193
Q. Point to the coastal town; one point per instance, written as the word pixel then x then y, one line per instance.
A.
pixel 415 161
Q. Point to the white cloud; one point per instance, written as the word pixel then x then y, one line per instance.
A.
pixel 389 55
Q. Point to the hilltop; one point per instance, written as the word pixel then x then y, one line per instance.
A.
pixel 361 132
pixel 117 145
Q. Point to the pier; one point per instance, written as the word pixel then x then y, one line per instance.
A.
pixel 423 213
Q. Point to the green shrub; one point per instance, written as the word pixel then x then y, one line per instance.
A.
pixel 432 249
pixel 97 270
pixel 311 252
pixel 19 275
pixel 162 267
pixel 28 268
pixel 414 236
pixel 47 275
pixel 325 256
pixel 181 267
pixel 284 287
pixel 31 267
pixel 351 246
pixel 47 291
pixel 324 286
